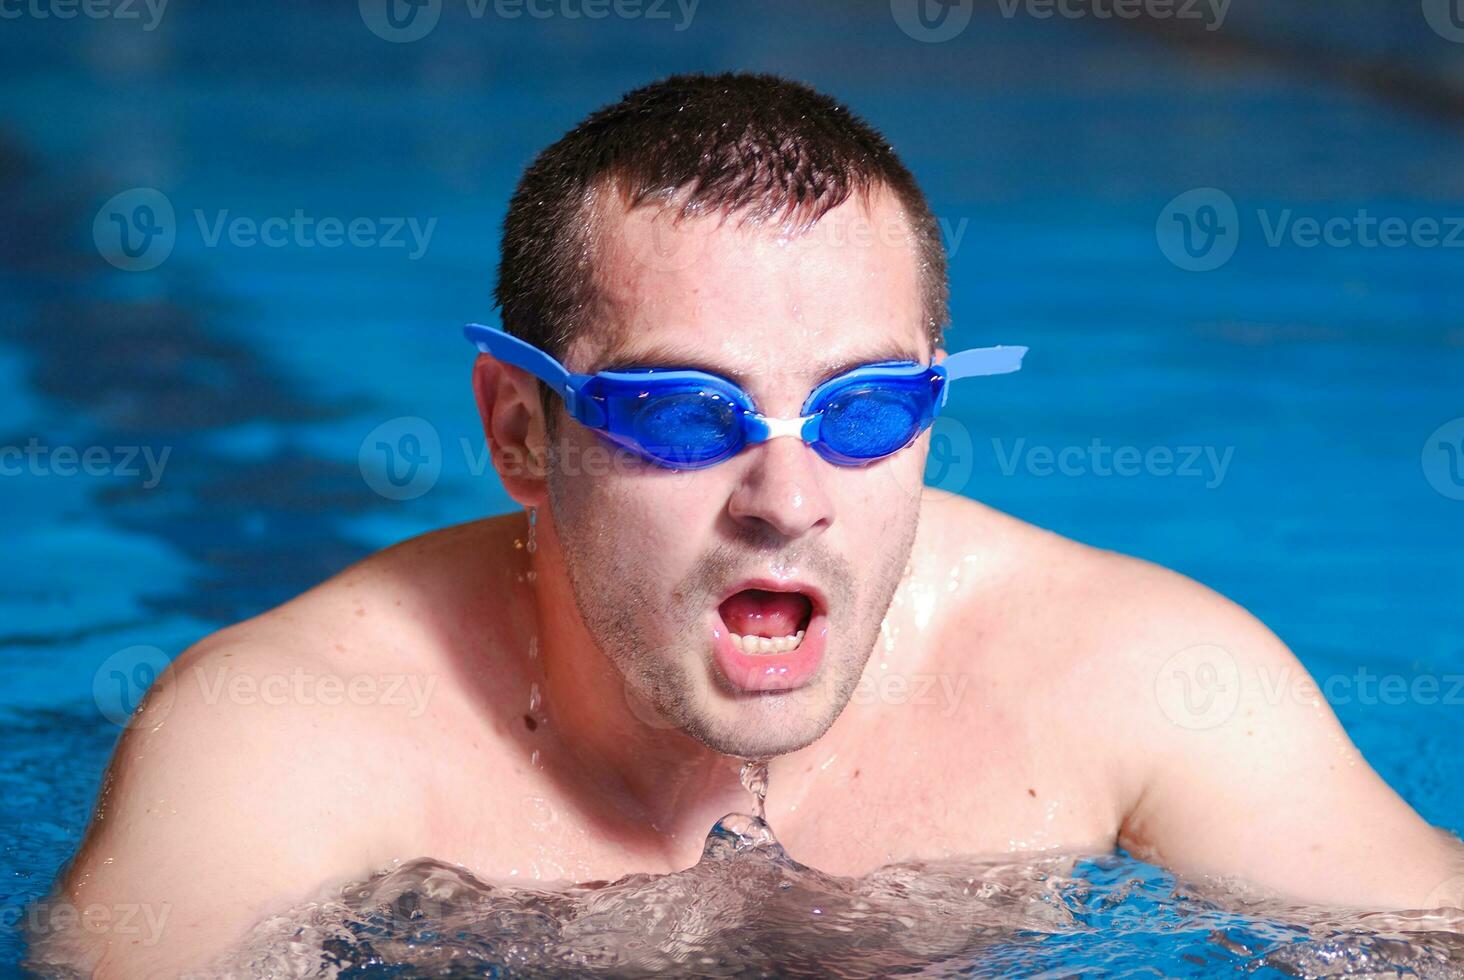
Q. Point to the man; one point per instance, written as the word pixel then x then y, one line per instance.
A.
pixel 687 589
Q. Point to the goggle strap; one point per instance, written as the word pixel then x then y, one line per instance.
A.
pixel 510 350
pixel 982 361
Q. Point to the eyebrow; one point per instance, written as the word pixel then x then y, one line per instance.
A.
pixel 675 356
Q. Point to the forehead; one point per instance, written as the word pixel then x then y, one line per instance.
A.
pixel 749 299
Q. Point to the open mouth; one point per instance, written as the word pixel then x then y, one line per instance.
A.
pixel 760 621
pixel 771 636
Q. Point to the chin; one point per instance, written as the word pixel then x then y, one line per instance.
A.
pixel 763 726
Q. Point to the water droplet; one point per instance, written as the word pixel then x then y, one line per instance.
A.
pixel 541 812
pixel 755 780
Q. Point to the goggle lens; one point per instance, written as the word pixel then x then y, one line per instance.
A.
pixel 687 428
pixel 867 422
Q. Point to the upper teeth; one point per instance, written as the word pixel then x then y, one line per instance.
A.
pixel 767 644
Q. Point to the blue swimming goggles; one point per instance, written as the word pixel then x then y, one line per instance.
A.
pixel 689 420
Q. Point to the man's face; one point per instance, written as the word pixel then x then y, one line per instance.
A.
pixel 671 571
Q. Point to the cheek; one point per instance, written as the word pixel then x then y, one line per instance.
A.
pixel 891 489
pixel 608 501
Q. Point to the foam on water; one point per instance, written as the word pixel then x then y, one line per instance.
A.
pixel 748 909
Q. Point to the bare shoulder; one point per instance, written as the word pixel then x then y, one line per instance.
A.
pixel 1019 576
pixel 1208 740
pixel 1022 577
pixel 1138 655
pixel 226 797
pixel 285 753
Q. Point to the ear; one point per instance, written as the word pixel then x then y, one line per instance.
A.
pixel 513 424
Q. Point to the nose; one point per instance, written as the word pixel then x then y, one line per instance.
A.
pixel 782 490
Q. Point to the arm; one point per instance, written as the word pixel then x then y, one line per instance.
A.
pixel 215 810
pixel 1246 770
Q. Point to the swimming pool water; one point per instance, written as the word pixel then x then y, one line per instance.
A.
pixel 261 378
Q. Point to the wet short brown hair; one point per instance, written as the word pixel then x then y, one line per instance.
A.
pixel 758 147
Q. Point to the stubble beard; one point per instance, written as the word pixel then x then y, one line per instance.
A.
pixel 670 676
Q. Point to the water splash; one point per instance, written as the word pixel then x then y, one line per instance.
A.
pixel 755 780
pixel 747 908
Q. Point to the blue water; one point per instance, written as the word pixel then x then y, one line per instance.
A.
pixel 1049 148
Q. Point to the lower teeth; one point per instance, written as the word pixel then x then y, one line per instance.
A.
pixel 767 644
